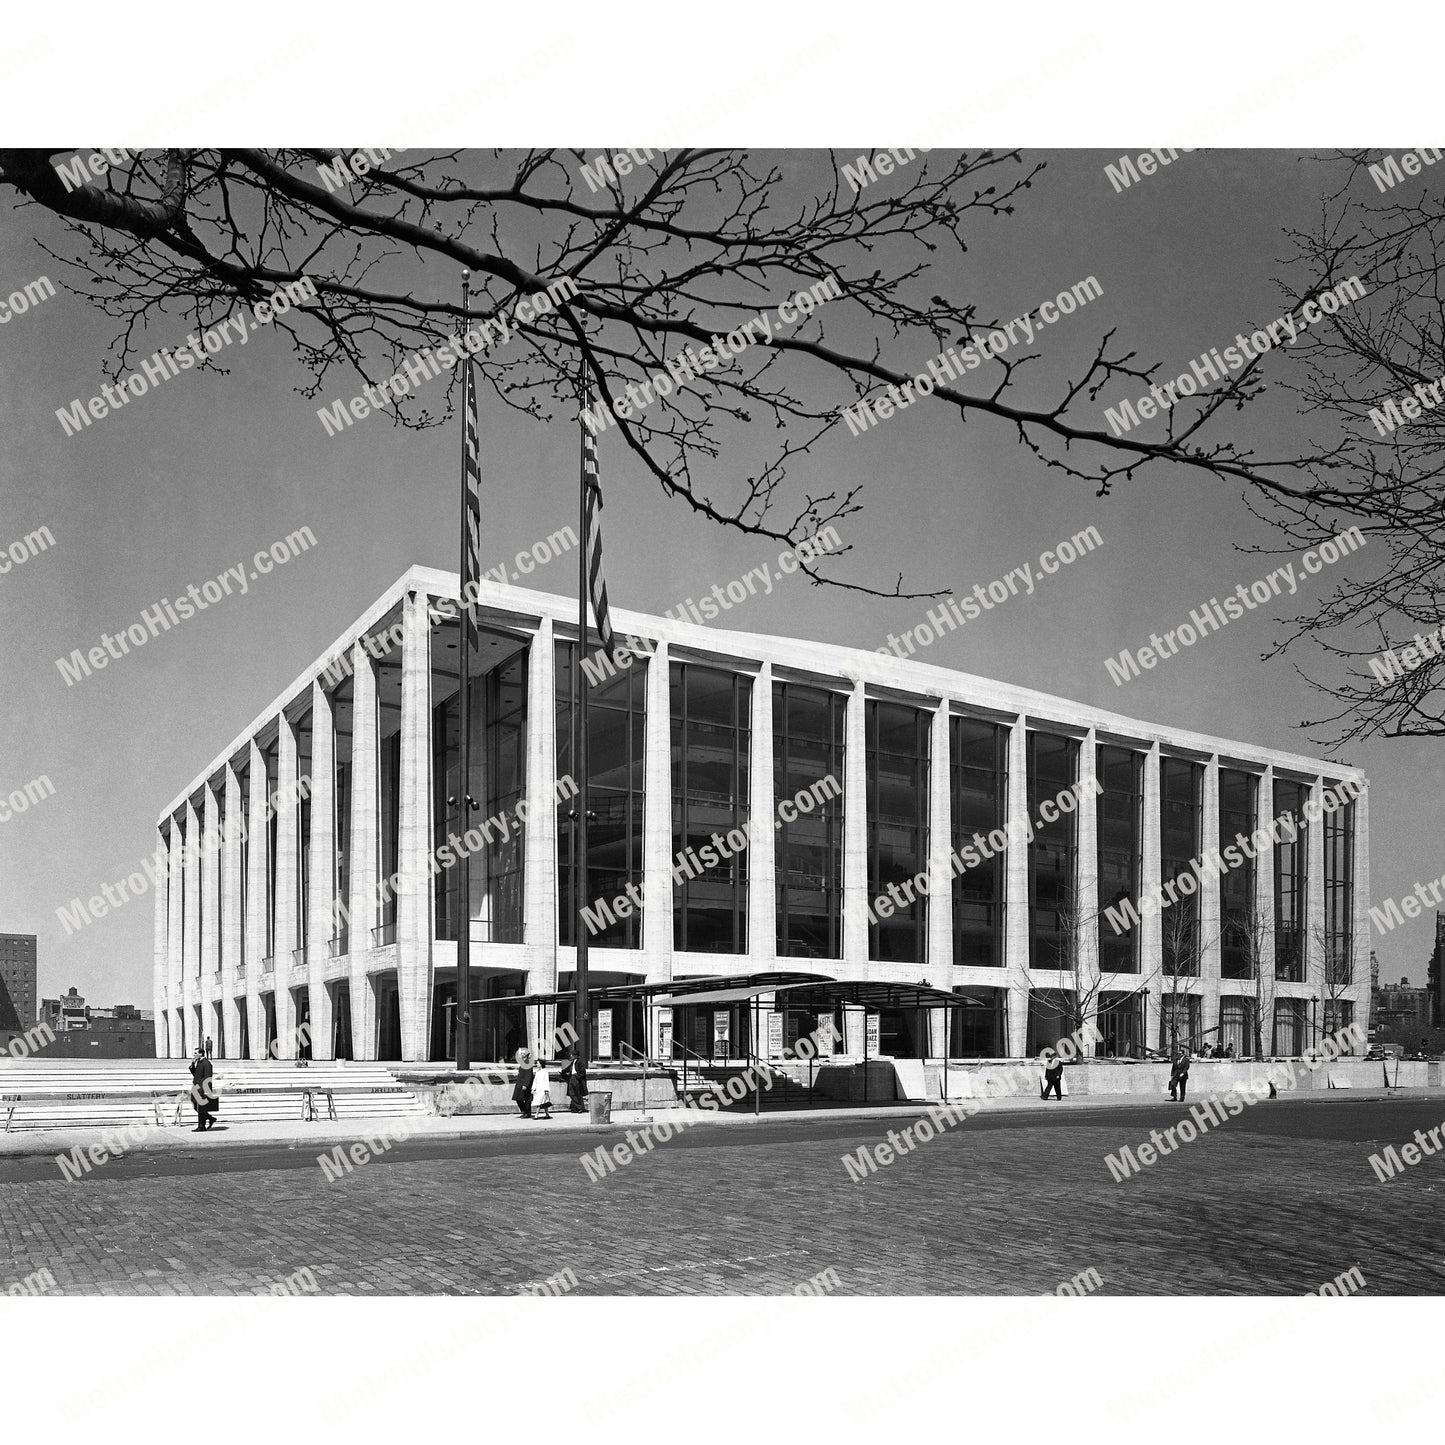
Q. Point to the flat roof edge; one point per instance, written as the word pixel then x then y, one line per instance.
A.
pixel 850 664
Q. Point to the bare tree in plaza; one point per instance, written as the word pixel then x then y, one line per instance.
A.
pixel 1365 382
pixel 1250 933
pixel 1183 945
pixel 667 250
pixel 1083 996
pixel 1335 951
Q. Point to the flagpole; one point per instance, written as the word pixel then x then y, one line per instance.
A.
pixel 464 924
pixel 579 753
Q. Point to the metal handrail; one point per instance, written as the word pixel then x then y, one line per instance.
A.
pixel 678 1044
pixel 627 1051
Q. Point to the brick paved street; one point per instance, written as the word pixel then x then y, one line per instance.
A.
pixel 1276 1202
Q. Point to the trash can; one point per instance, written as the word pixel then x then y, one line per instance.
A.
pixel 599 1108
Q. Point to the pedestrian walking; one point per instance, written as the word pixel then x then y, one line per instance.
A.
pixel 208 1046
pixel 574 1075
pixel 203 1093
pixel 1179 1076
pixel 1054 1078
pixel 522 1092
pixel 541 1090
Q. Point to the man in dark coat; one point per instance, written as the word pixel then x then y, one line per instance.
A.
pixel 522 1091
pixel 1179 1075
pixel 1054 1078
pixel 574 1075
pixel 203 1093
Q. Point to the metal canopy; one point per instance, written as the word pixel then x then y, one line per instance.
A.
pixel 797 990
pixel 718 995
pixel 874 995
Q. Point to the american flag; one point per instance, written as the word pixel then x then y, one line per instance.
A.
pixel 596 586
pixel 471 496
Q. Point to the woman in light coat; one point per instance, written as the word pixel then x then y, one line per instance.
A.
pixel 541 1090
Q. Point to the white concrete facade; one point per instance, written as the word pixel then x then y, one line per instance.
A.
pixel 266 945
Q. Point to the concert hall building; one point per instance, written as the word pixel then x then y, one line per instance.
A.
pixel 906 824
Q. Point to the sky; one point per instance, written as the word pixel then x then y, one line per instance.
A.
pixel 204 471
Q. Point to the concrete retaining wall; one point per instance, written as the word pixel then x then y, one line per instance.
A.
pixel 493 1094
pixel 1206 1076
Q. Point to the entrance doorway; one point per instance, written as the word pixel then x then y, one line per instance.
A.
pixel 301 1003
pixel 388 1017
pixel 341 1020
pixel 268 1009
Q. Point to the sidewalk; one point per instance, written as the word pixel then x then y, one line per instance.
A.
pixel 322 1136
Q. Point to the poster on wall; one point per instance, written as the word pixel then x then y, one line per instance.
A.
pixel 793 1024
pixel 775 1035
pixel 873 1035
pixel 604 1033
pixel 664 1033
pixel 721 1033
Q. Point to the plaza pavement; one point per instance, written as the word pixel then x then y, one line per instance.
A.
pixel 1017 1200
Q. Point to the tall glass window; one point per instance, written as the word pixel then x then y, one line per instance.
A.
pixel 504 752
pixel 1237 913
pixel 449 818
pixel 1339 843
pixel 498 703
pixel 1053 855
pixel 711 733
pixel 1291 858
pixel 247 922
pixel 897 767
pixel 809 746
pixel 204 842
pixel 616 736
pixel 1181 1022
pixel 1181 812
pixel 1120 811
pixel 1291 1027
pixel 1339 1014
pixel 271 758
pixel 390 831
pixel 341 728
pixel 220 864
pixel 1236 1025
pixel 978 801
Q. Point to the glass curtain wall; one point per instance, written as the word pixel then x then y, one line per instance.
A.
pixel 897 772
pixel 1120 811
pixel 1181 802
pixel 711 738
pixel 978 802
pixel 809 746
pixel 1237 807
pixel 1291 868
pixel 616 737
pixel 1053 767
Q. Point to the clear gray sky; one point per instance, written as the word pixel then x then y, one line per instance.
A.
pixel 200 474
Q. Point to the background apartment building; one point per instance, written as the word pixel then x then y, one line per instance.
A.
pixel 17 981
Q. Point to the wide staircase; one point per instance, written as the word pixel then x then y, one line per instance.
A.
pixel 783 1093
pixel 39 1093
